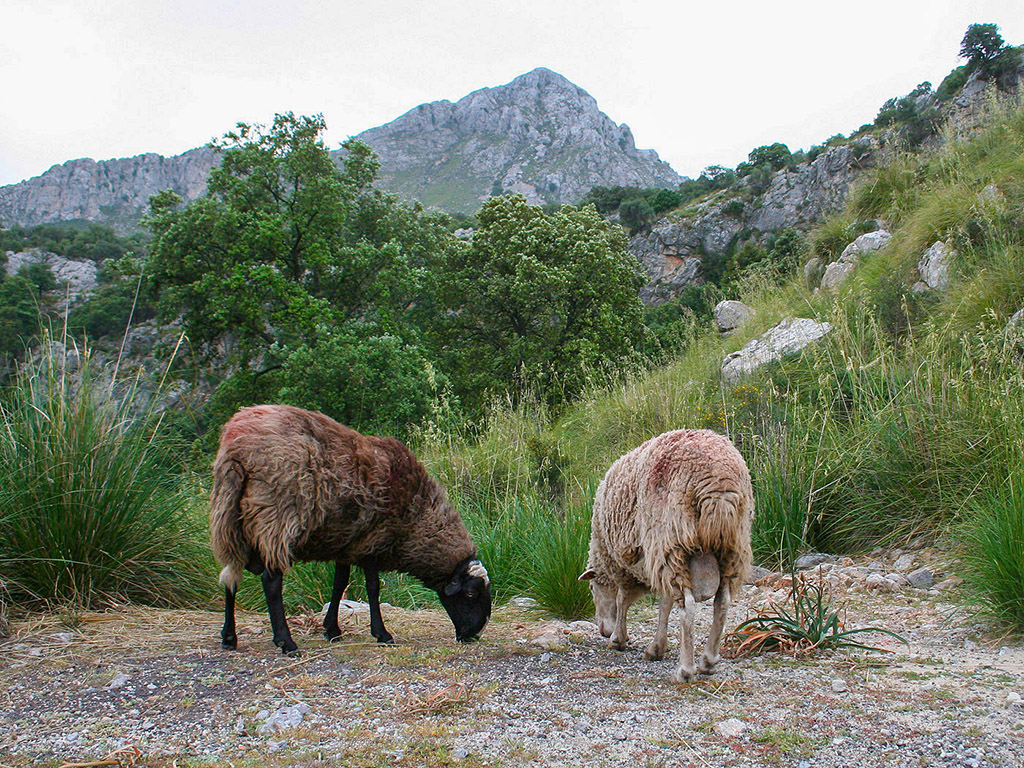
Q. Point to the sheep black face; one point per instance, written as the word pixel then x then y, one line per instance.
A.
pixel 467 598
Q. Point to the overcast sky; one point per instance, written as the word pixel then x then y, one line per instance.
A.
pixel 700 83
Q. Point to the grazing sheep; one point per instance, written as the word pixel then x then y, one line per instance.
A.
pixel 293 485
pixel 673 517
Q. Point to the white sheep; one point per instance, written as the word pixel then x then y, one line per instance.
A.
pixel 673 517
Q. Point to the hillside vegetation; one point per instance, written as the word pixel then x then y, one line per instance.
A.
pixel 905 421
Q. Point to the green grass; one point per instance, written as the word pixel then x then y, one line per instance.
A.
pixel 993 536
pixel 94 508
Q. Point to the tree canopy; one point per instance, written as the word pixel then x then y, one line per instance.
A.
pixel 540 300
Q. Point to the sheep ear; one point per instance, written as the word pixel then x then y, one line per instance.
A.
pixel 587 575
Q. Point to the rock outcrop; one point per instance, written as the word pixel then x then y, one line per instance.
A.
pixel 672 252
pixel 934 267
pixel 539 135
pixel 787 338
pixel 838 271
pixel 114 192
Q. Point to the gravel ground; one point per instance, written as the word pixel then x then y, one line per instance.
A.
pixel 150 687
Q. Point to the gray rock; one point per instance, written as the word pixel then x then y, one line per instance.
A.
pixel 756 574
pixel 838 271
pixel 120 680
pixel 76 278
pixel 789 337
pixel 934 266
pixel 1016 320
pixel 285 717
pixel 730 315
pixel 731 728
pixel 922 578
pixel 811 559
pixel 839 685
pixel 112 191
pixel 904 562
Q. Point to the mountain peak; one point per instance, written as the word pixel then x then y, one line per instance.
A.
pixel 540 135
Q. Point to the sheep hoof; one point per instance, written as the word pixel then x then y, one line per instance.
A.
pixel 654 652
pixel 618 645
pixel 707 666
pixel 682 675
pixel 289 648
pixel 332 634
pixel 230 642
pixel 386 640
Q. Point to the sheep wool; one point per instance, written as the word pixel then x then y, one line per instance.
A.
pixel 672 516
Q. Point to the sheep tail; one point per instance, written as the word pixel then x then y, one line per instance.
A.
pixel 226 536
pixel 724 528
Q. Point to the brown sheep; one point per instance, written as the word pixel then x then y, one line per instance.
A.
pixel 673 517
pixel 293 485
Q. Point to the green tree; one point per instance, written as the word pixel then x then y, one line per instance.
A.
pixel 986 53
pixel 636 213
pixel 286 250
pixel 543 301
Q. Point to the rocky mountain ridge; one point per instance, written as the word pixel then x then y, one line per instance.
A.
pixel 538 135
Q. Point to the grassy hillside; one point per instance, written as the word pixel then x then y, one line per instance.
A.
pixel 907 420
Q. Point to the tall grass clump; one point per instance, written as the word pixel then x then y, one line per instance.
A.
pixel 993 555
pixel 93 507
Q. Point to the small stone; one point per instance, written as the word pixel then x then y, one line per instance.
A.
pixel 63 637
pixel 904 562
pixel 460 753
pixel 757 573
pixel 922 578
pixel 285 717
pixel 240 726
pixel 1013 698
pixel 546 656
pixel 839 685
pixel 119 681
pixel 731 728
pixel 524 602
pixel 148 725
pixel 812 559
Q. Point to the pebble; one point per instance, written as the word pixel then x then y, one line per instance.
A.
pixel 1013 698
pixel 285 717
pixel 460 753
pixel 922 578
pixel 839 685
pixel 119 681
pixel 812 559
pixel 731 728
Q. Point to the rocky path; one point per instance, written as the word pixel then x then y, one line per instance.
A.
pixel 147 687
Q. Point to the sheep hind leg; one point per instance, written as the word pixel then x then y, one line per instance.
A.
pixel 711 652
pixel 659 644
pixel 684 669
pixel 272 584
pixel 228 637
pixel 377 628
pixel 331 629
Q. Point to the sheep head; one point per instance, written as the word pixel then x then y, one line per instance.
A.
pixel 467 599
pixel 605 611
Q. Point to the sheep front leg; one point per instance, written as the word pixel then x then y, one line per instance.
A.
pixel 275 606
pixel 228 637
pixel 711 652
pixel 659 644
pixel 331 629
pixel 377 628
pixel 624 598
pixel 685 669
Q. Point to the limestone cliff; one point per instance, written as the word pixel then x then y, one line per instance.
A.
pixel 538 135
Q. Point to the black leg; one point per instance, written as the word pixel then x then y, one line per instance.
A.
pixel 377 628
pixel 331 628
pixel 228 638
pixel 275 606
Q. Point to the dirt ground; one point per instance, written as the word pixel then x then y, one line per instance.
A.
pixel 149 687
